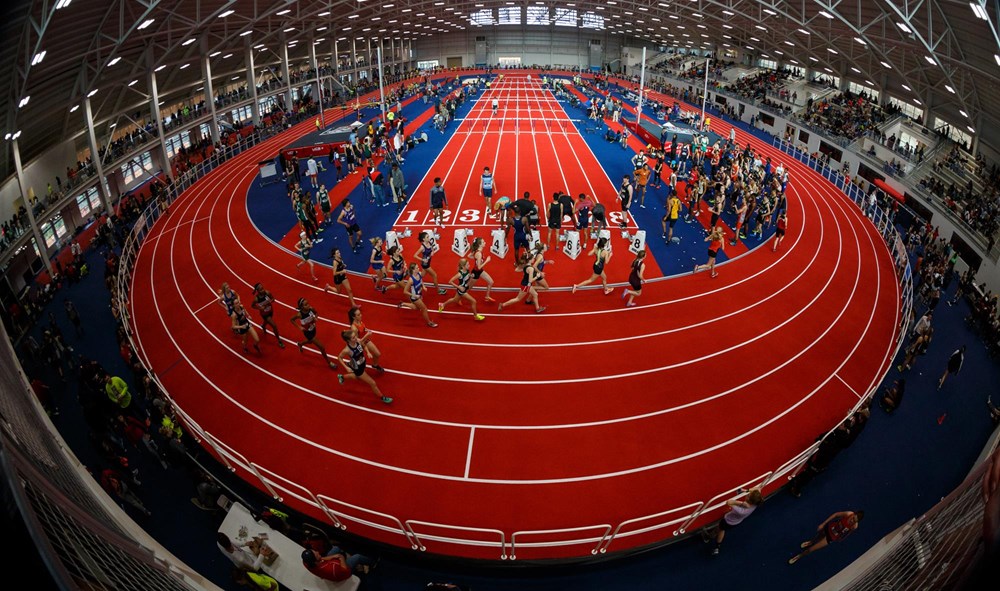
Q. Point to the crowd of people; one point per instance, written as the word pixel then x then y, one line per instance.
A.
pixel 979 209
pixel 846 115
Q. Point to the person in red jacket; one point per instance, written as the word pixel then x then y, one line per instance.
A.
pixel 336 565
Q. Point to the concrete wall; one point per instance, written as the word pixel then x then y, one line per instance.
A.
pixel 566 46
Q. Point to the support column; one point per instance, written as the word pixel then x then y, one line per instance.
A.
pixel 32 222
pixel 95 155
pixel 368 58
pixel 155 109
pixel 206 73
pixel 319 83
pixel 354 57
pixel 252 85
pixel 285 74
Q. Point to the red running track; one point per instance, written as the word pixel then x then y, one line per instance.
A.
pixel 586 417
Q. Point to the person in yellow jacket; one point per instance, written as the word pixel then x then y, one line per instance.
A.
pixel 117 391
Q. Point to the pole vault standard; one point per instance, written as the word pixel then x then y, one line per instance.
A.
pixel 381 92
pixel 642 84
pixel 704 96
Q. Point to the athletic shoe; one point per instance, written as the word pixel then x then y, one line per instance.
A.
pixel 715 551
pixel 432 324
pixel 695 268
pixel 318 240
pixel 642 206
pixel 624 293
pixel 300 347
pixel 442 291
pixel 440 307
pixel 794 559
pixel 399 305
pixel 479 317
pixel 806 544
pixel 608 290
pixel 539 310
pixel 281 344
pixel 664 236
pixel 714 275
pixel 489 299
pixel 630 305
pixel 340 378
pixel 387 400
pixel 379 368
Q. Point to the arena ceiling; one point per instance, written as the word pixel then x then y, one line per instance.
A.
pixel 941 53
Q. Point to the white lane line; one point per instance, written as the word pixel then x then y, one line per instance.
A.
pixel 468 454
pixel 215 301
pixel 853 391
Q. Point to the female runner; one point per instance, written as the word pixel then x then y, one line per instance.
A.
pixel 354 319
pixel 425 252
pixel 413 287
pixel 264 302
pixel 779 231
pixel 396 265
pixel 601 258
pixel 242 326
pixel 462 281
pixel 227 297
pixel 538 261
pixel 352 357
pixel 716 239
pixel 375 260
pixel 635 278
pixel 478 264
pixel 304 246
pixel 306 317
pixel 340 277
pixel 528 278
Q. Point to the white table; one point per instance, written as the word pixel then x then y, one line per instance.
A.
pixel 287 568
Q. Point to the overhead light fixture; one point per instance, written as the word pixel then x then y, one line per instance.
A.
pixel 245 33
pixel 227 56
pixel 159 68
pixel 811 58
pixel 855 70
pixel 114 60
pixel 283 12
pixel 832 50
pixel 964 114
pixel 860 40
pixel 997 58
pixel 184 66
pixel 969 127
pixel 226 13
pixel 91 93
pixel 289 29
pixel 38 58
pixel 949 89
pixel 215 53
pixel 886 65
pixel 326 13
pixel 804 32
pixel 23 102
pixel 62 4
pixel 133 83
pixel 16 135
pixel 771 12
pixel 6 136
pixel 917 102
pixel 905 87
pixel 825 14
pixel 979 11
pixel 74 108
pixel 146 23
pixel 904 28
pixel 930 60
pixel 188 42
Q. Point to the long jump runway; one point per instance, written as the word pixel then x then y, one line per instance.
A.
pixel 611 426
